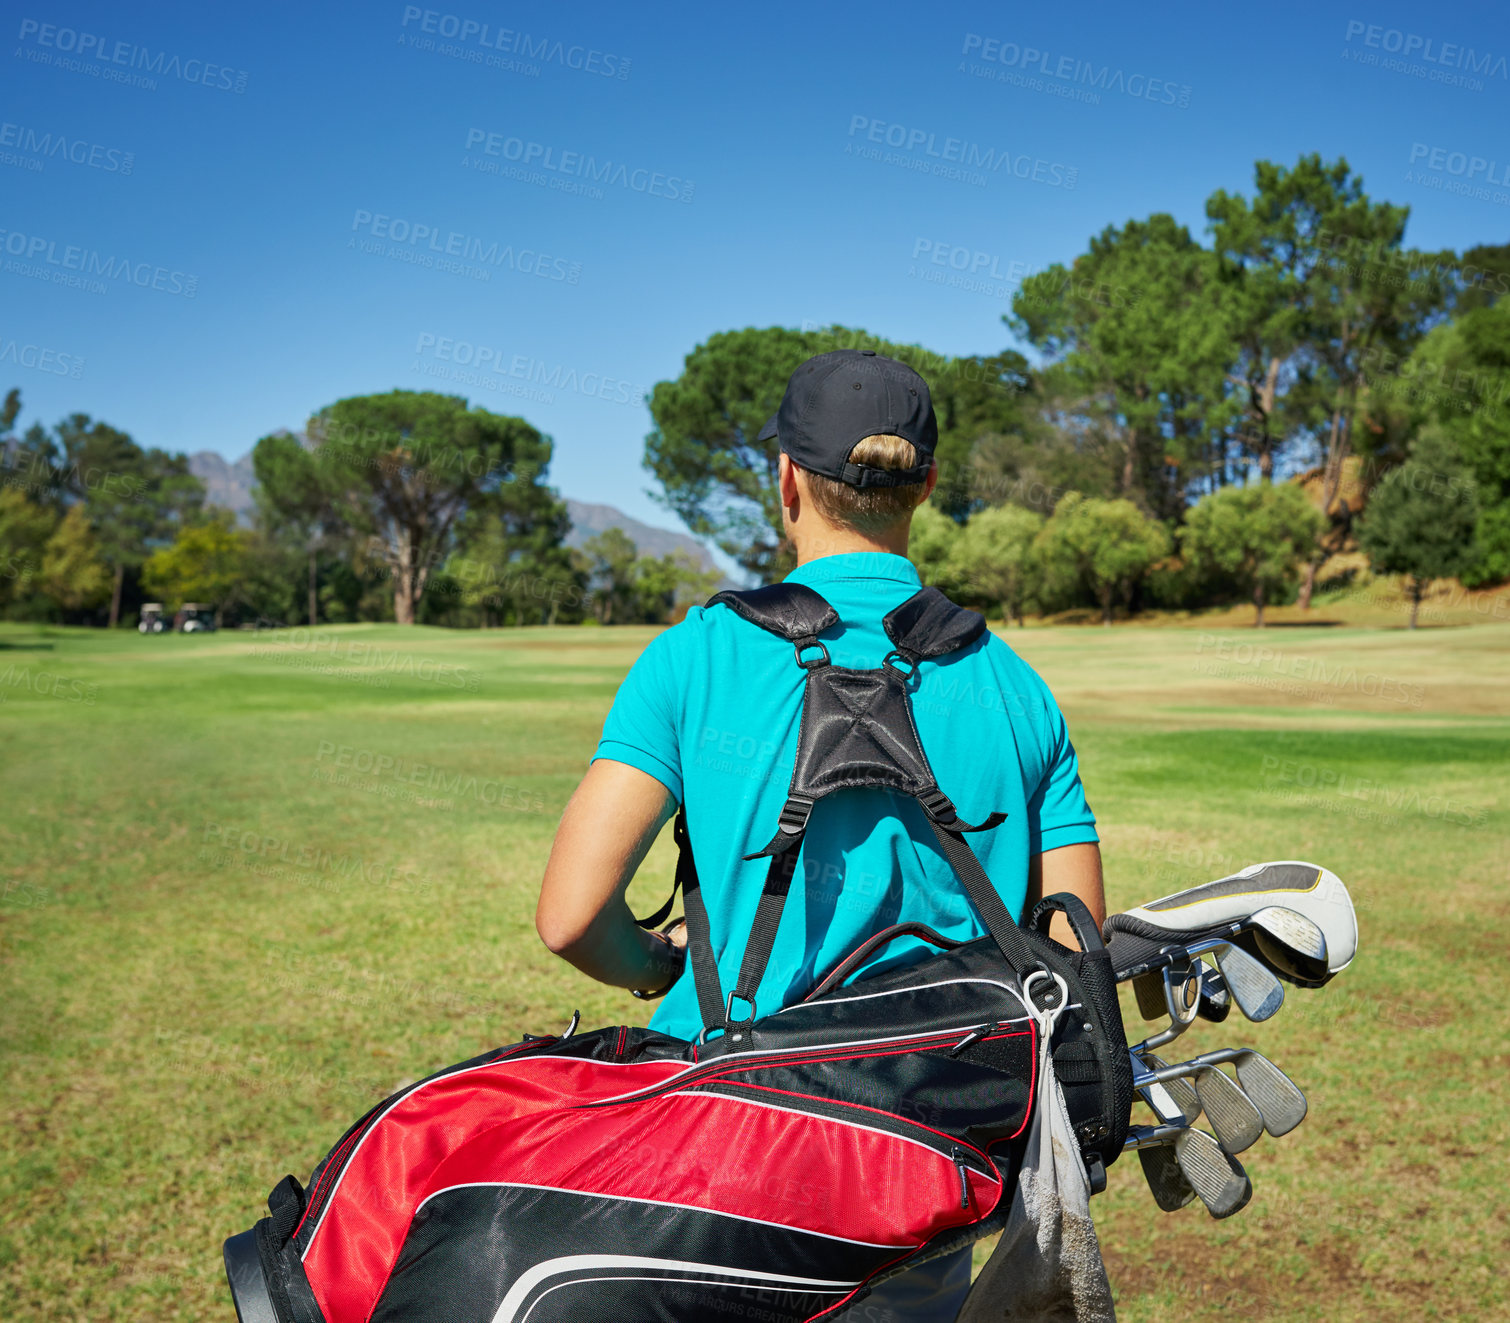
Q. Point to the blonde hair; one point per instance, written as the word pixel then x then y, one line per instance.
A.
pixel 869 510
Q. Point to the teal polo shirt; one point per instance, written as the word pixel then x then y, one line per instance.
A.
pixel 711 709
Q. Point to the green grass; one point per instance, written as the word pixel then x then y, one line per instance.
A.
pixel 215 952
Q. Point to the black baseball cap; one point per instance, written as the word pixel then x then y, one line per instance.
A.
pixel 835 400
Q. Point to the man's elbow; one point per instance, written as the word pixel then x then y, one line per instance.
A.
pixel 561 933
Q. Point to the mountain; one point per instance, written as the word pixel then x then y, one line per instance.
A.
pixel 590 520
pixel 226 485
pixel 230 486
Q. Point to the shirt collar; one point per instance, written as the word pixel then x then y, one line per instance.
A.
pixel 856 565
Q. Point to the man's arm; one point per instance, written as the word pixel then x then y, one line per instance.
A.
pixel 609 824
pixel 1072 868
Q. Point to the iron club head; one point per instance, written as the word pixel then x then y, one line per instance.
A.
pixel 1234 1119
pixel 1216 1177
pixel 1258 994
pixel 1279 1101
pixel 1166 1182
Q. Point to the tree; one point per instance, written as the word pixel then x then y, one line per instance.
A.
pixel 1104 545
pixel 404 469
pixel 931 545
pixel 73 573
pixel 292 501
pixel 1135 335
pixel 1420 520
pixel 1258 535
pixel 1362 296
pixel 721 481
pixel 136 499
pixel 610 558
pixel 1458 381
pixel 208 562
pixel 994 557
pixel 664 583
pixel 25 527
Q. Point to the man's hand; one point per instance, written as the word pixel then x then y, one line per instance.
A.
pixel 609 825
pixel 1072 868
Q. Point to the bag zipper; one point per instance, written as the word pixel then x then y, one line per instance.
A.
pixel 743 1061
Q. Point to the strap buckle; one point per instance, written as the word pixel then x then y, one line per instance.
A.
pixel 896 655
pixel 734 1030
pixel 938 806
pixel 813 664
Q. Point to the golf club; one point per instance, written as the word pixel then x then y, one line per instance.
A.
pixel 1234 1119
pixel 1216 1001
pixel 1281 1104
pixel 1166 1182
pixel 1314 894
pixel 1173 1101
pixel 1216 1176
pixel 1257 992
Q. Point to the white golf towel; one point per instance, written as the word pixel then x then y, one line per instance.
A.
pixel 1047 1266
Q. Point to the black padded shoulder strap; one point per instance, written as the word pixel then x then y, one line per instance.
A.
pixel 928 624
pixel 791 610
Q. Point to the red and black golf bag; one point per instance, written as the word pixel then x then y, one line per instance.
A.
pixel 780 1166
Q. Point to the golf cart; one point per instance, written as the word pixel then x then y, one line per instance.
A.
pixel 195 618
pixel 151 621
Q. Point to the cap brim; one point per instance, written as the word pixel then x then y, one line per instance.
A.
pixel 769 430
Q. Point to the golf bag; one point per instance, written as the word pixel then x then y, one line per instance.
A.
pixel 782 1164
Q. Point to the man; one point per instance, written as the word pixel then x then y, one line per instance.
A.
pixel 708 716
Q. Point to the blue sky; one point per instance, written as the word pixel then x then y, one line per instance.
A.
pixel 324 200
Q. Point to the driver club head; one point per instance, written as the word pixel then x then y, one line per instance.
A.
pixel 1281 1104
pixel 1291 944
pixel 1258 994
pixel 1216 1177
pixel 1234 1119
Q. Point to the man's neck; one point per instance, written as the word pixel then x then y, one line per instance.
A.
pixel 830 541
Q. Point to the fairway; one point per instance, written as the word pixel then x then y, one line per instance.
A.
pixel 251 883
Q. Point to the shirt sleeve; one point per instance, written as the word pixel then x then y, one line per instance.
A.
pixel 1057 811
pixel 641 728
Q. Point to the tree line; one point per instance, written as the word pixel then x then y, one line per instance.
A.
pixel 407 506
pixel 1205 422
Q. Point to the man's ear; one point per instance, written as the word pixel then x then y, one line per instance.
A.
pixel 931 481
pixel 786 480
